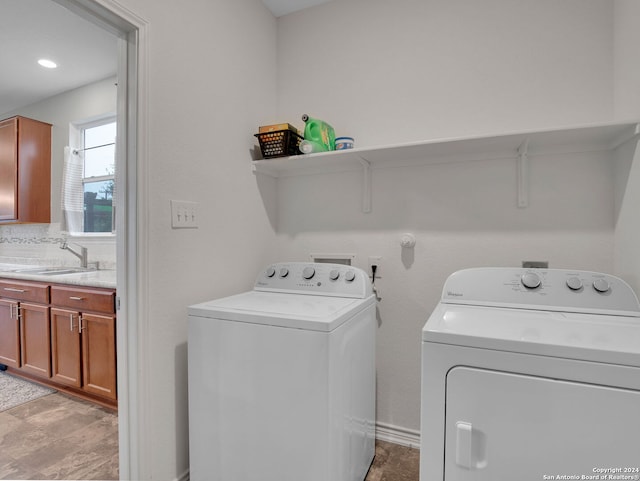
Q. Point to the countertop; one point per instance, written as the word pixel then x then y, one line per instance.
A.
pixel 89 278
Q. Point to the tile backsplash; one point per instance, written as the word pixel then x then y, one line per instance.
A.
pixel 40 244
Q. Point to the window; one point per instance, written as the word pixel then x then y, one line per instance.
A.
pixel 95 153
pixel 98 177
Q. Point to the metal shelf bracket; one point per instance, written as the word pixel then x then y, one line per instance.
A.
pixel 366 185
pixel 523 174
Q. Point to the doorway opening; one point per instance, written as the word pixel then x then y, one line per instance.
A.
pixel 128 200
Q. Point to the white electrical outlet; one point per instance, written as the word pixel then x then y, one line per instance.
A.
pixel 184 214
pixel 375 261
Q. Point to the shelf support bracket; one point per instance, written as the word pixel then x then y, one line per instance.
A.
pixel 366 185
pixel 522 173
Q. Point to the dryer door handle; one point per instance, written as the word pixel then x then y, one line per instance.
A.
pixel 464 442
pixel 471 446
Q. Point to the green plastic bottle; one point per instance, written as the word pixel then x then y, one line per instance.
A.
pixel 319 134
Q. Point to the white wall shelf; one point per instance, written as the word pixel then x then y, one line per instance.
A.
pixel 519 146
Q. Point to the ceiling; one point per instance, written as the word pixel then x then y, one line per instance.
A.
pixel 35 29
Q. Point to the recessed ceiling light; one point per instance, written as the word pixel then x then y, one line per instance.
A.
pixel 47 63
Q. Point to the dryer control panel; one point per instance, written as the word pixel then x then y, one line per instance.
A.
pixel 315 278
pixel 547 289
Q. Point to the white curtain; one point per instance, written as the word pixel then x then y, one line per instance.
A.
pixel 72 192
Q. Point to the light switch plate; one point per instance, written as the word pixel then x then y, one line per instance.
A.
pixel 184 214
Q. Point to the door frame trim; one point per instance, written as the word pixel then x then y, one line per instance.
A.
pixel 132 202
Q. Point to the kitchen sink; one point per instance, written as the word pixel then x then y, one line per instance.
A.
pixel 13 267
pixel 57 272
pixel 51 271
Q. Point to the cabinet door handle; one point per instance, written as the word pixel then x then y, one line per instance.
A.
pixel 11 314
pixel 13 289
pixel 71 322
pixel 80 328
pixel 76 298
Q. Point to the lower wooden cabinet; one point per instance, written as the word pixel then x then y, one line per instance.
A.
pixel 9 333
pixel 35 339
pixel 61 334
pixel 66 347
pixel 24 327
pixel 99 355
pixel 84 351
pixel 83 339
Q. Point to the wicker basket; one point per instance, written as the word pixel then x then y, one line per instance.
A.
pixel 280 143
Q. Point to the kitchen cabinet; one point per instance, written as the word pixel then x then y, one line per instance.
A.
pixel 66 344
pixel 60 335
pixel 35 335
pixel 9 333
pixel 25 327
pixel 83 339
pixel 25 171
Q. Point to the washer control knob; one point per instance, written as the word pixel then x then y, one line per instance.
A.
pixel 334 274
pixel 284 272
pixel 601 285
pixel 531 280
pixel 308 272
pixel 349 276
pixel 574 283
pixel 271 272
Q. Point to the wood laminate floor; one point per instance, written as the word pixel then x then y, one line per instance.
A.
pixel 60 437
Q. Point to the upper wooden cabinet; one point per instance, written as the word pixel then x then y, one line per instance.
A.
pixel 25 171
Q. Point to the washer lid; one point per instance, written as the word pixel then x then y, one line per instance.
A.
pixel 590 337
pixel 300 311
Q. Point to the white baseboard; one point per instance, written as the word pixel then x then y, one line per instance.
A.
pixel 398 435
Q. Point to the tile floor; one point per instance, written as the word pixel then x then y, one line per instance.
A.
pixel 60 437
pixel 394 463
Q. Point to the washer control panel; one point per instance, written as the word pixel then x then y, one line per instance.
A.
pixel 315 278
pixel 549 289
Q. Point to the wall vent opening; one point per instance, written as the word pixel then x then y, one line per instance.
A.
pixel 346 259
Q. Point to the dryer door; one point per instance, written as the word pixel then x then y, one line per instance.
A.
pixel 503 426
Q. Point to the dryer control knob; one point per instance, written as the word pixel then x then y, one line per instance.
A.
pixel 308 272
pixel 574 283
pixel 284 272
pixel 349 276
pixel 530 280
pixel 334 274
pixel 271 272
pixel 601 285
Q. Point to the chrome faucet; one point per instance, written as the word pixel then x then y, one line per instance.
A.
pixel 82 255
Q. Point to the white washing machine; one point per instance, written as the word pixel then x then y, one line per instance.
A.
pixel 531 375
pixel 282 378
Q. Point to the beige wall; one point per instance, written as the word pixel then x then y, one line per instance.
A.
pixel 627 106
pixel 211 82
pixel 389 72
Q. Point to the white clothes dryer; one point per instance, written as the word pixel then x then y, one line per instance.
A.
pixel 282 378
pixel 531 375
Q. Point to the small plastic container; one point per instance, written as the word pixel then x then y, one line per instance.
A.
pixel 320 133
pixel 344 143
